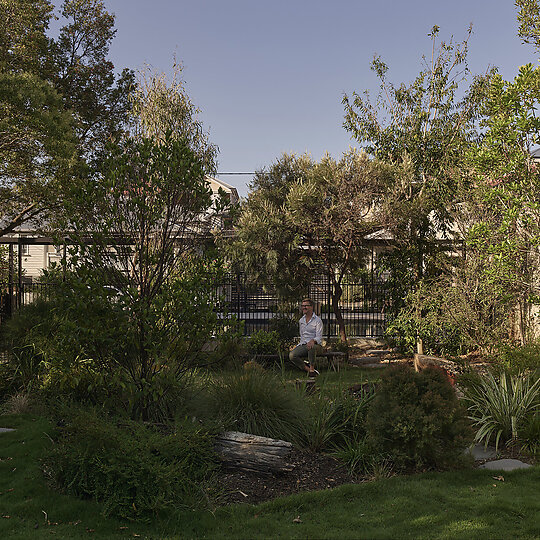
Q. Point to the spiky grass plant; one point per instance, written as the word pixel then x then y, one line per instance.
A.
pixel 500 405
pixel 255 401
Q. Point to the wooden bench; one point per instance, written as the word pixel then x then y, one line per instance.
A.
pixel 334 358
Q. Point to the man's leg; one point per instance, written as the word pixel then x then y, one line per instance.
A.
pixel 297 356
pixel 312 354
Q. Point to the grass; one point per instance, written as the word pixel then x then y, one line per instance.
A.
pixel 464 504
pixel 345 377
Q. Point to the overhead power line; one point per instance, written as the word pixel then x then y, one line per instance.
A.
pixel 247 173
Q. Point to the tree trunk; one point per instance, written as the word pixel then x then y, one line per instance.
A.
pixel 336 297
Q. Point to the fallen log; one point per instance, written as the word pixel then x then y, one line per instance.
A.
pixel 252 453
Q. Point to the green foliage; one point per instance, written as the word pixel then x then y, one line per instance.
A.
pixel 133 469
pixel 263 342
pixel 430 313
pixel 286 328
pixel 416 420
pixel 258 402
pixel 518 359
pixel 81 343
pixel 529 21
pixel 423 129
pixel 60 101
pixel 503 209
pixel 141 216
pixel 500 405
pixel 338 420
pixel 301 216
pixel 529 435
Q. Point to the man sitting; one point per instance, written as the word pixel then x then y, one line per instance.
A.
pixel 311 329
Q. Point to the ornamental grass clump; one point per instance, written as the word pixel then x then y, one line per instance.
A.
pixel 500 406
pixel 258 402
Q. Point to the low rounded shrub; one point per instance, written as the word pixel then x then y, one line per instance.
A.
pixel 416 420
pixel 130 467
pixel 263 342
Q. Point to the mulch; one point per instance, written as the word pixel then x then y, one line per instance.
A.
pixel 311 472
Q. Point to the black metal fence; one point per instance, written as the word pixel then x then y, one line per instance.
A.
pixel 363 304
pixel 15 295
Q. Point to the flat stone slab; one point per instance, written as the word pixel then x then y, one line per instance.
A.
pixel 479 451
pixel 374 366
pixel 5 429
pixel 378 352
pixel 505 465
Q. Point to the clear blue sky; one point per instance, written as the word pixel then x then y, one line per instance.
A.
pixel 269 76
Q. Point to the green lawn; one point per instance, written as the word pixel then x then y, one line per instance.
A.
pixel 465 504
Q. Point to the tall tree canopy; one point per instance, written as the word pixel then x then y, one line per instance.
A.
pixel 425 127
pixel 60 102
pixel 303 218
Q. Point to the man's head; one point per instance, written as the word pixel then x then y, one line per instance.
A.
pixel 307 306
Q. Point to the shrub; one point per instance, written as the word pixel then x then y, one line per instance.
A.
pixel 529 435
pixel 416 419
pixel 519 359
pixel 130 467
pixel 257 402
pixel 286 328
pixel 263 342
pixel 500 405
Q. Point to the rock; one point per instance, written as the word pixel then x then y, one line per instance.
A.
pixel 480 452
pixel 363 360
pixel 378 352
pixel 505 465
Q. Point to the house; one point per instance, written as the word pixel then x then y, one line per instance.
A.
pixel 39 253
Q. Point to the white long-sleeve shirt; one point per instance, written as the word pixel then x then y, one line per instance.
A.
pixel 311 330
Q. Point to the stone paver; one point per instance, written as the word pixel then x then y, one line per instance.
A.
pixel 5 429
pixel 505 465
pixel 479 451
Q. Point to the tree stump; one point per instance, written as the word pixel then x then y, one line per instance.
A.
pixel 251 453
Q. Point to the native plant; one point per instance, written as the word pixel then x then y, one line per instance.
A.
pixel 499 406
pixel 256 401
pixel 134 470
pixel 302 218
pixel 416 420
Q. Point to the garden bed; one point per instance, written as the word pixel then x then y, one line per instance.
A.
pixel 311 472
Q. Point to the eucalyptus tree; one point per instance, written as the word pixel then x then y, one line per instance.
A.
pixel 303 217
pixel 60 99
pixel 425 127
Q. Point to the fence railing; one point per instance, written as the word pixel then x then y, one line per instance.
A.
pixel 363 304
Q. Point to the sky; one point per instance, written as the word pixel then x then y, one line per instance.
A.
pixel 269 76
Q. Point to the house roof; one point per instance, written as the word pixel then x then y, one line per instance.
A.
pixel 216 183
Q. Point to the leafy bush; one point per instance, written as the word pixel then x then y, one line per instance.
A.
pixel 519 359
pixel 438 337
pixel 131 468
pixel 286 328
pixel 500 405
pixel 82 343
pixel 416 419
pixel 257 402
pixel 529 435
pixel 263 342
